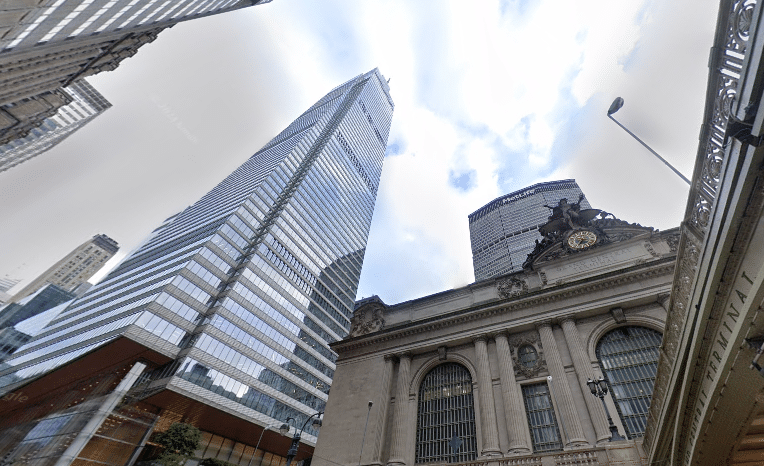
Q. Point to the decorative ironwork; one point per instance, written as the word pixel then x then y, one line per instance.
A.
pixel 545 434
pixel 446 410
pixel 629 358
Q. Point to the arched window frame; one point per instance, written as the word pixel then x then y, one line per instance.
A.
pixel 595 338
pixel 418 379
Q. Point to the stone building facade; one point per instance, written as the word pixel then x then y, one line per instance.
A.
pixel 75 268
pixel 496 371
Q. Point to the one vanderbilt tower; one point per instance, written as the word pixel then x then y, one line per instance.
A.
pixel 223 317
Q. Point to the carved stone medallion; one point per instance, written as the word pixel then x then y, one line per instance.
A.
pixel 512 287
pixel 367 319
pixel 521 369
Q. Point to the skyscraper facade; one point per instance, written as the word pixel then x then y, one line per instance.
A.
pixel 50 44
pixel 35 138
pixel 233 302
pixel 504 231
pixel 75 268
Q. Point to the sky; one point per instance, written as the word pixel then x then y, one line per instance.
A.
pixel 490 96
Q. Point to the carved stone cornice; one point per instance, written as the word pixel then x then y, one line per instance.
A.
pixel 637 273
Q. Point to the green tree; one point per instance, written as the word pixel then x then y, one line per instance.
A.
pixel 214 462
pixel 179 443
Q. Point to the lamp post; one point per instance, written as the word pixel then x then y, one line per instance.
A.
pixel 284 429
pixel 258 443
pixel 614 107
pixel 371 403
pixel 599 389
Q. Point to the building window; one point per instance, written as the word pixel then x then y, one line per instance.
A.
pixel 446 416
pixel 527 355
pixel 628 357
pixel 545 434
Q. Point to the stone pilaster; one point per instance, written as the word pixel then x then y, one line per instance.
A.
pixel 517 422
pixel 584 371
pixel 384 403
pixel 490 430
pixel 565 404
pixel 400 419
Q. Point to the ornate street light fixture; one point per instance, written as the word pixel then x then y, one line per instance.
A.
pixel 614 107
pixel 284 429
pixel 599 389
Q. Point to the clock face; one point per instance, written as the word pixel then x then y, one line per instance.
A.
pixel 582 239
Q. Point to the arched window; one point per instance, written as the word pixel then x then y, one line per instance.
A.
pixel 446 416
pixel 628 357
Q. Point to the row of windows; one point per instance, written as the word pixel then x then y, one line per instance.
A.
pixel 161 328
pixel 246 395
pixel 290 346
pixel 445 413
pixel 235 359
pixel 202 272
pixel 266 351
pixel 190 289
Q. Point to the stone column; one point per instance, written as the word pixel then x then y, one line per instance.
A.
pixel 561 388
pixel 514 410
pixel 380 421
pixel 487 407
pixel 584 370
pixel 400 418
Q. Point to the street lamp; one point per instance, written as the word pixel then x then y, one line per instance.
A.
pixel 614 107
pixel 284 429
pixel 258 442
pixel 599 389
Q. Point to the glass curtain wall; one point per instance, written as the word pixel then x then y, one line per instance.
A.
pixel 246 288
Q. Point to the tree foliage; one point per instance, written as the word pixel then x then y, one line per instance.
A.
pixel 214 462
pixel 180 442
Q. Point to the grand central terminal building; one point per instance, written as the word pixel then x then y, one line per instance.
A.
pixel 498 372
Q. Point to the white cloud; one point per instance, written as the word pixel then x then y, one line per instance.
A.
pixel 508 99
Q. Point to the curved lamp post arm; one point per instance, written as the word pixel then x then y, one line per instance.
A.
pixel 296 439
pixel 258 444
pixel 614 107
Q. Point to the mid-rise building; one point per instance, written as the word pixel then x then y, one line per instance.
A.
pixel 230 305
pixel 504 231
pixel 50 44
pixel 42 132
pixel 74 269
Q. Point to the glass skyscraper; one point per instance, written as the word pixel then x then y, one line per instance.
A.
pixel 87 103
pixel 504 231
pixel 232 303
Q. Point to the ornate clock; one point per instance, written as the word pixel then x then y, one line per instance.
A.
pixel 582 239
